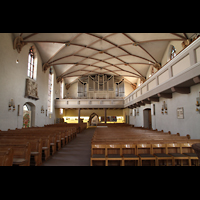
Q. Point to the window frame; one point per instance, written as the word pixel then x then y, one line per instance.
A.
pixel 50 91
pixel 32 63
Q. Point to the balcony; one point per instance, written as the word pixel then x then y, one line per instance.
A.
pixel 177 75
pixel 89 103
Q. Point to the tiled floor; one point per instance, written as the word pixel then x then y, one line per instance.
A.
pixel 75 153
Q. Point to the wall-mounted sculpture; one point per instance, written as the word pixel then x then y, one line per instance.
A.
pixel 31 89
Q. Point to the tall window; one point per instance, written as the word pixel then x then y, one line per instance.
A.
pixel 50 90
pixel 173 52
pixel 62 89
pixel 31 64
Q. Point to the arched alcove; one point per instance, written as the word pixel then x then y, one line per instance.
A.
pixel 92 116
pixel 28 115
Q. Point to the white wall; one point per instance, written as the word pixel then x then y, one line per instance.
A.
pixel 72 92
pixel 13 79
pixel 169 122
pixel 128 88
pixel 190 124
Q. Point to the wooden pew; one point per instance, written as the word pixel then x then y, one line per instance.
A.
pixel 6 156
pixel 116 135
pixel 22 152
pixel 39 143
pixel 52 137
pixel 36 147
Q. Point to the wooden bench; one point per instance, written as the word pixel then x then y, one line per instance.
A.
pixel 22 152
pixel 154 141
pixel 38 143
pixel 36 147
pixel 44 141
pixel 6 156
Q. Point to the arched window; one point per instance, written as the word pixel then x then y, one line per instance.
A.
pixel 31 58
pixel 173 52
pixel 32 64
pixel 50 90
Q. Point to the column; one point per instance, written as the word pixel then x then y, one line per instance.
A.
pixel 105 115
pixel 79 114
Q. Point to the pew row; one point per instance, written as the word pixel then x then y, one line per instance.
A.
pixel 141 146
pixel 32 146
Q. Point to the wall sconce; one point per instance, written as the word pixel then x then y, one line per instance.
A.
pixel 137 111
pixel 164 108
pixel 198 105
pixel 11 105
pixel 42 109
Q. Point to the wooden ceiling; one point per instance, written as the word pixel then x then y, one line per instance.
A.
pixel 121 54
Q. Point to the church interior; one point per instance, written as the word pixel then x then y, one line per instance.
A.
pixel 120 98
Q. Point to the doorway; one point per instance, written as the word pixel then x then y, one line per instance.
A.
pixel 28 115
pixel 94 119
pixel 147 118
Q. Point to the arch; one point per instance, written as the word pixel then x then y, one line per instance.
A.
pixel 92 116
pixel 29 115
pixel 147 119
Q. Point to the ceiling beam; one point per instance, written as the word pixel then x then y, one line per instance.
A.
pixel 159 40
pixel 92 49
pixel 146 101
pixel 63 47
pixel 122 50
pixel 178 36
pixel 103 68
pixel 165 95
pixel 156 99
pixel 196 79
pixel 185 35
pixel 181 90
pixel 141 47
pixel 31 35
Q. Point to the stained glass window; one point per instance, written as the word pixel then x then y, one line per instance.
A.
pixel 173 52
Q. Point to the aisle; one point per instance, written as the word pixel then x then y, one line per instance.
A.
pixel 76 153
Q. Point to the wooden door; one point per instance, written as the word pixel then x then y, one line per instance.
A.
pixel 149 119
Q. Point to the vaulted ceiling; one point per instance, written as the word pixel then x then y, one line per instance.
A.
pixel 121 54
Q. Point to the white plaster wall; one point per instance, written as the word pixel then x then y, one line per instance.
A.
pixel 190 124
pixel 169 122
pixel 12 81
pixel 72 91
pixel 128 88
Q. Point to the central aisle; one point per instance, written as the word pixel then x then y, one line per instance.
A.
pixel 75 153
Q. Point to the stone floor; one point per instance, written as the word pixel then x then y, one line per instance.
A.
pixel 75 153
